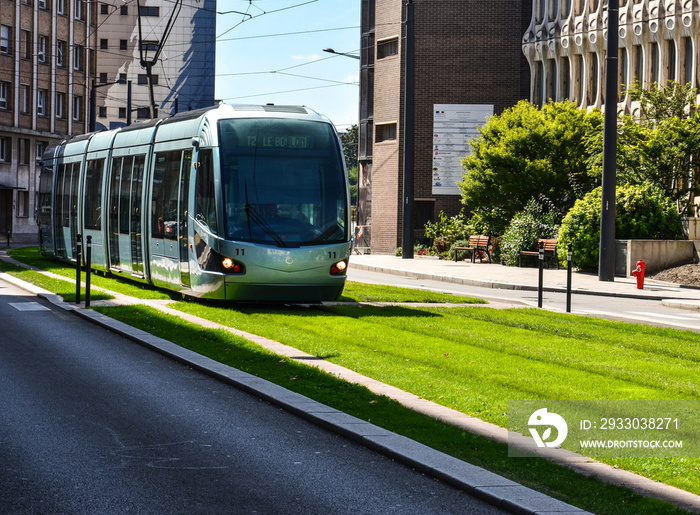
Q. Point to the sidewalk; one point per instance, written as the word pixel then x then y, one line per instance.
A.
pixel 497 276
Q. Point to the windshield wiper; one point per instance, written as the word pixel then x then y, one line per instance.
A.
pixel 255 216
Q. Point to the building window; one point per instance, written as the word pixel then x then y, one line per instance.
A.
pixel 143 78
pixel 4 95
pixel 26 44
pixel 122 44
pixel 124 10
pixel 43 5
pixel 40 146
pixel 149 46
pixel 24 151
pixel 122 78
pixel 24 91
pixel 22 204
pixel 385 132
pixel 78 9
pixel 41 102
pixel 4 39
pixel 104 9
pixel 143 113
pixel 103 78
pixel 122 112
pixel 387 47
pixel 5 150
pixel 638 65
pixel 149 11
pixel 60 53
pixel 61 6
pixel 688 61
pixel 671 75
pixel 41 50
pixel 78 57
pixel 60 105
pixel 77 108
pixel 103 44
pixel 102 112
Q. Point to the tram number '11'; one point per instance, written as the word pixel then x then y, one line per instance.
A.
pixel 332 255
pixel 240 252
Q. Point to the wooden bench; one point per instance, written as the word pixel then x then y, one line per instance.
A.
pixel 478 244
pixel 550 251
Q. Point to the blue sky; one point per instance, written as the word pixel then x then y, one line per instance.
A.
pixel 272 51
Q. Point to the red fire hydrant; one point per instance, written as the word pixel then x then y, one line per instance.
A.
pixel 639 274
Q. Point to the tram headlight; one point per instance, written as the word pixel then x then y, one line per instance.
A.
pixel 339 268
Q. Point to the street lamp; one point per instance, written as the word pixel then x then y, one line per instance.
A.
pixel 93 100
pixel 331 51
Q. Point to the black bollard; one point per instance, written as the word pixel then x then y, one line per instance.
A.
pixel 568 278
pixel 88 268
pixel 539 288
pixel 78 254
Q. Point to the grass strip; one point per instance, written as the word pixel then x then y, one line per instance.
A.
pixel 585 492
pixel 477 359
pixel 31 256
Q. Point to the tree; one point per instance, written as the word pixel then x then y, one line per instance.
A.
pixel 525 153
pixel 662 146
pixel 349 140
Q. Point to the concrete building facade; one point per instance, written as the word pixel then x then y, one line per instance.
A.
pixel 467 52
pixel 46 59
pixel 565 45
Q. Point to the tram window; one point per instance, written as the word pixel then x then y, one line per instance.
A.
pixel 125 196
pixel 205 201
pixel 282 182
pixel 60 177
pixel 93 194
pixel 166 179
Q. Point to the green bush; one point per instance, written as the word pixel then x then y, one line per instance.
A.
pixel 446 230
pixel 641 212
pixel 526 227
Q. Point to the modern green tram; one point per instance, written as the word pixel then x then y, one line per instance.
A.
pixel 244 203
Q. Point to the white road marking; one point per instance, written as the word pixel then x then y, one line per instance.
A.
pixel 28 306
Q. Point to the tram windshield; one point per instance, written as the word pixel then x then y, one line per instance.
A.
pixel 283 182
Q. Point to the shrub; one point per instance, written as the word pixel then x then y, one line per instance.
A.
pixel 448 230
pixel 523 231
pixel 641 212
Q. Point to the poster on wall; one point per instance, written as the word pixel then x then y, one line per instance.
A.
pixel 453 126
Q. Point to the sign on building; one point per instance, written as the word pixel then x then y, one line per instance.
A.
pixel 453 126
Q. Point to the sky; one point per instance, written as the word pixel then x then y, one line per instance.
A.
pixel 271 51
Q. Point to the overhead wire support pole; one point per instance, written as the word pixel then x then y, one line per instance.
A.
pixel 408 139
pixel 606 262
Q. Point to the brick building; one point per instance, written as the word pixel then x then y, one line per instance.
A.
pixel 46 59
pixel 467 53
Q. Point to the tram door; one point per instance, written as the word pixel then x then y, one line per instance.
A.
pixel 169 218
pixel 124 222
pixel 92 209
pixel 66 209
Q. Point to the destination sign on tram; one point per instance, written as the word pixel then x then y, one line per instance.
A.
pixel 300 142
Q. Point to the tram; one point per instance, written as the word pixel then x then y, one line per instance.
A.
pixel 245 203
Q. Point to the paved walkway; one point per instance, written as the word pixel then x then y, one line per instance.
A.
pixel 474 480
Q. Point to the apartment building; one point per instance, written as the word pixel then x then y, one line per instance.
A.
pixel 46 59
pixel 468 63
pixel 176 39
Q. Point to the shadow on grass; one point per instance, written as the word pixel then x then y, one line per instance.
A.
pixel 585 492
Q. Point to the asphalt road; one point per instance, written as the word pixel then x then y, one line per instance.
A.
pixel 93 423
pixel 646 311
